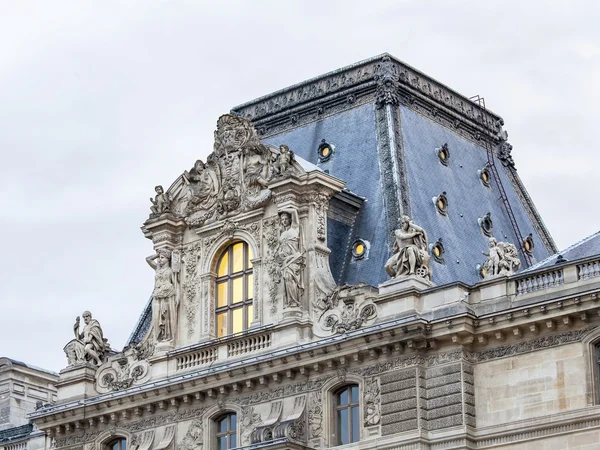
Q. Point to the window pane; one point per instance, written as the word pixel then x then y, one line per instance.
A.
pixel 238 257
pixel 250 318
pixel 250 286
pixel 343 397
pixel 222 324
pixel 232 441
pixel 354 394
pixel 233 418
pixel 222 443
pixel 223 268
pixel 250 256
pixel 343 426
pixel 238 290
pixel 222 294
pixel 223 425
pixel 123 446
pixel 355 425
pixel 238 320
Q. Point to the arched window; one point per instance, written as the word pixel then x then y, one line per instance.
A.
pixel 226 431
pixel 117 444
pixel 347 415
pixel 234 289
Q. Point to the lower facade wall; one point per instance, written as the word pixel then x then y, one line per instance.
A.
pixel 535 384
pixel 587 440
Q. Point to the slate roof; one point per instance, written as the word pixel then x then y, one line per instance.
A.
pixel 22 364
pixel 15 433
pixel 586 248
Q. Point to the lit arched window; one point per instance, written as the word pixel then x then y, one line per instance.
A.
pixel 234 289
pixel 347 415
pixel 117 444
pixel 226 434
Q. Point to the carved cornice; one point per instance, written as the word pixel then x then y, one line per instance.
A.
pixel 383 79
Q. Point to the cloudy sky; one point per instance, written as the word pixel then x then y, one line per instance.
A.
pixel 101 101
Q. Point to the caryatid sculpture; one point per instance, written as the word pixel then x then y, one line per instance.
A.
pixel 89 345
pixel 411 257
pixel 289 258
pixel 164 296
pixel 502 259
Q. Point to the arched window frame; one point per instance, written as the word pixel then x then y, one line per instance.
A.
pixel 328 393
pixel 212 416
pixel 227 277
pixel 107 437
pixel 230 419
pixel 207 274
pixel 591 353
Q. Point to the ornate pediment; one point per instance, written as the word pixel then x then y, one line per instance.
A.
pixel 234 178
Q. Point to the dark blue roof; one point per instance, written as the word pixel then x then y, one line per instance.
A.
pixel 15 433
pixel 586 248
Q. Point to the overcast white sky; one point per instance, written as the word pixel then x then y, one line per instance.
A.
pixel 101 101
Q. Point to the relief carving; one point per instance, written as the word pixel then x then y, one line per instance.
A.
pixel 372 402
pixel 120 374
pixel 235 176
pixel 190 286
pixel 388 83
pixel 164 296
pixel 194 438
pixel 88 346
pixel 411 257
pixel 250 420
pixel 315 415
pixel 271 235
pixel 347 308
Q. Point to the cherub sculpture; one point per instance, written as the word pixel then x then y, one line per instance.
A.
pixel 161 202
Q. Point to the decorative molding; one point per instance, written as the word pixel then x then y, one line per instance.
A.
pixel 383 79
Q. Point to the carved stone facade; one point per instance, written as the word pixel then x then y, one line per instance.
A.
pixel 312 363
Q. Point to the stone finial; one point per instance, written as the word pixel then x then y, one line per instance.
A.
pixel 89 345
pixel 502 259
pixel 410 257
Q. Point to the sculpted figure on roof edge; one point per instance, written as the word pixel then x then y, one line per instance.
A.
pixel 411 257
pixel 161 202
pixel 89 345
pixel 502 259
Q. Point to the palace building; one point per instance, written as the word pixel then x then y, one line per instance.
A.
pixel 355 265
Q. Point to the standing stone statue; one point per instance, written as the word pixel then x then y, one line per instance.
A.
pixel 410 257
pixel 164 298
pixel 502 259
pixel 90 345
pixel 289 258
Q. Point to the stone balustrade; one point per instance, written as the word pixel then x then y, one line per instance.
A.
pixel 249 344
pixel 197 358
pixel 15 446
pixel 538 281
pixel 588 269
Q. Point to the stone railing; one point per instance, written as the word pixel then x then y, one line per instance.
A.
pixel 15 446
pixel 197 358
pixel 589 269
pixel 538 281
pixel 249 344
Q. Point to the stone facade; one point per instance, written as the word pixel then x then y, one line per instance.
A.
pixel 296 360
